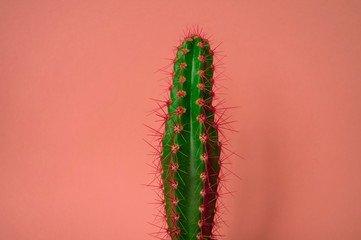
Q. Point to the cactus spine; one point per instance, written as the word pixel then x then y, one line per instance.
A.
pixel 190 157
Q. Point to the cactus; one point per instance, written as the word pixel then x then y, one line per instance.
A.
pixel 190 146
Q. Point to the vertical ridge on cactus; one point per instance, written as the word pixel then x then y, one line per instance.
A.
pixel 191 151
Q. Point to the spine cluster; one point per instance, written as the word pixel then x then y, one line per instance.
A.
pixel 191 151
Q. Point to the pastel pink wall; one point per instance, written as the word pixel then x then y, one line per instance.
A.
pixel 75 79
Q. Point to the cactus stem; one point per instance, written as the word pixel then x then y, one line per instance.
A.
pixel 190 157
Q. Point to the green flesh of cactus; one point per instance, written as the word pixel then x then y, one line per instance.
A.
pixel 190 158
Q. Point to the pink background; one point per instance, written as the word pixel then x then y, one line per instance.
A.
pixel 75 83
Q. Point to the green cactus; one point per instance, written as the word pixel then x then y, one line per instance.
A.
pixel 191 151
